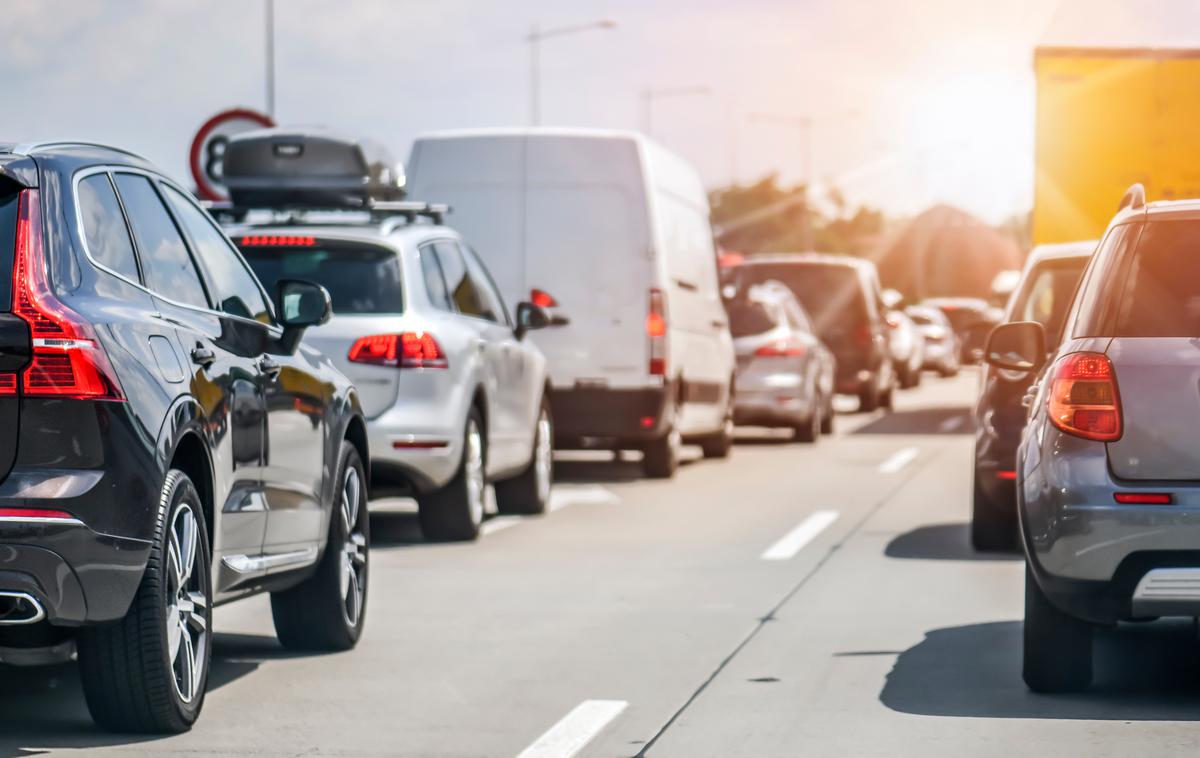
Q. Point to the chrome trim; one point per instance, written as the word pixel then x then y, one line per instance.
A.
pixel 246 564
pixel 1168 592
pixel 39 520
pixel 39 612
pixel 82 239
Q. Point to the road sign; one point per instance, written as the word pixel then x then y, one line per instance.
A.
pixel 208 148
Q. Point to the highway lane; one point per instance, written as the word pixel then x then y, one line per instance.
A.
pixel 796 599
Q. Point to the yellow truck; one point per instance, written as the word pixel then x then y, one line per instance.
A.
pixel 1106 118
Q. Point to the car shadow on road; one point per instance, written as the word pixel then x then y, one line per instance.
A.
pixel 42 707
pixel 395 530
pixel 944 420
pixel 942 542
pixel 1143 672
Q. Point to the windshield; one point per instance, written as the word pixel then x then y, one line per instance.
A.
pixel 748 317
pixel 361 278
pixel 831 294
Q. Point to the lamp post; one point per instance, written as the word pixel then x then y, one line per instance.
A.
pixel 536 35
pixel 270 57
pixel 649 95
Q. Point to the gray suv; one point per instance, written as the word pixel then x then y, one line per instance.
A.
pixel 1108 469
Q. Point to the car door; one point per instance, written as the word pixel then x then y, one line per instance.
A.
pixel 478 313
pixel 223 378
pixel 292 392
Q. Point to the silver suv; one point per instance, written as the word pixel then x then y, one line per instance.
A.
pixel 454 395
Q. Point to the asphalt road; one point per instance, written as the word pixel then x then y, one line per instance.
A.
pixel 794 600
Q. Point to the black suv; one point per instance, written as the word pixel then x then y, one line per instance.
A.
pixel 165 443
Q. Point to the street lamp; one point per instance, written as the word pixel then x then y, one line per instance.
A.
pixel 536 35
pixel 649 95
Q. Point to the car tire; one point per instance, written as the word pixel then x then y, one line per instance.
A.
pixel 905 378
pixel 1058 647
pixel 720 445
pixel 454 513
pixel 660 457
pixel 993 527
pixel 948 372
pixel 133 681
pixel 327 610
pixel 887 400
pixel 868 399
pixel 809 429
pixel 827 417
pixel 528 493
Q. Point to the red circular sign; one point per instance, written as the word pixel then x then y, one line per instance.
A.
pixel 208 147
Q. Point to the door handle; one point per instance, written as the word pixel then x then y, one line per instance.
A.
pixel 202 356
pixel 268 366
pixel 717 323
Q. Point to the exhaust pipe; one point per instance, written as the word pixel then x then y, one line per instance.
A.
pixel 18 608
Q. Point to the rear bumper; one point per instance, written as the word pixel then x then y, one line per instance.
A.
pixel 77 575
pixel 1089 553
pixel 416 443
pixel 615 415
pixel 778 406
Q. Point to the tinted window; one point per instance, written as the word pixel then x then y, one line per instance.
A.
pixel 361 278
pixel 1162 290
pixel 435 285
pixel 104 227
pixel 1047 296
pixel 493 304
pixel 165 259
pixel 747 317
pixel 1098 295
pixel 231 285
pixel 8 241
pixel 832 295
pixel 466 296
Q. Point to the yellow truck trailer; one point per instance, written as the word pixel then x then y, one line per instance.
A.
pixel 1108 117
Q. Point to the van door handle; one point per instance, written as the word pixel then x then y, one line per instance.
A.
pixel 717 323
pixel 684 284
pixel 202 356
pixel 268 366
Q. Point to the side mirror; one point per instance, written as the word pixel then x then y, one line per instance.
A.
pixel 1019 346
pixel 530 317
pixel 302 304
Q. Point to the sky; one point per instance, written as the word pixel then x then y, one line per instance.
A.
pixel 913 102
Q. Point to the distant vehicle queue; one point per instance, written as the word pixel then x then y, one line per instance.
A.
pixel 227 396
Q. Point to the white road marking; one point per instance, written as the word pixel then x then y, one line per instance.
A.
pixel 950 424
pixel 803 534
pixel 899 460
pixel 585 494
pixel 575 730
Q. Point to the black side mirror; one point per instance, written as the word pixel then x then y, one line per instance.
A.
pixel 299 305
pixel 1019 346
pixel 530 317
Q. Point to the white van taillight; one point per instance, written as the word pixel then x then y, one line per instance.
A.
pixel 1083 400
pixel 656 330
pixel 785 348
pixel 405 350
pixel 542 299
pixel 68 361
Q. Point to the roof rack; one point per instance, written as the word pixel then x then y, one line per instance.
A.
pixel 26 148
pixel 390 214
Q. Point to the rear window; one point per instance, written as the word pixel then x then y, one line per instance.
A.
pixel 749 317
pixel 8 241
pixel 831 294
pixel 361 278
pixel 1162 285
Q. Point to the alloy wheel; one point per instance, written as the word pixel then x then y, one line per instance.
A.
pixel 188 622
pixel 543 457
pixel 354 547
pixel 473 470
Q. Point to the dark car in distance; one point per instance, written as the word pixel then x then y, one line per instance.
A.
pixel 971 318
pixel 165 444
pixel 1043 294
pixel 843 298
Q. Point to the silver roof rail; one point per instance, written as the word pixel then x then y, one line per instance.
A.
pixel 26 148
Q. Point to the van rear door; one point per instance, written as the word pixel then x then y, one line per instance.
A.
pixel 1156 356
pixel 587 244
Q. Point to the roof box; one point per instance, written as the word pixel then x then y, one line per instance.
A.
pixel 290 168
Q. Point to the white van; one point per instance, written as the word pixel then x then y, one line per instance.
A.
pixel 611 231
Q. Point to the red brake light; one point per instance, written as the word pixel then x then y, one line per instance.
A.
pixel 893 321
pixel 1083 398
pixel 781 349
pixel 68 361
pixel 863 335
pixel 1142 498
pixel 656 330
pixel 406 350
pixel 33 513
pixel 277 240
pixel 542 299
